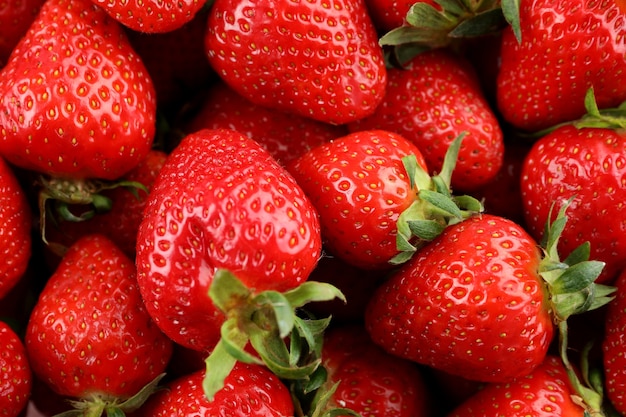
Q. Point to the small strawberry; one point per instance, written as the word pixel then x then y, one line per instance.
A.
pixel 368 200
pixel 432 100
pixel 317 59
pixel 554 54
pixel 15 228
pixel 480 301
pixel 15 373
pixel 76 100
pixel 15 18
pixel 285 136
pixel 152 16
pixel 250 391
pixel 583 161
pixel 546 391
pixel 89 336
pixel 614 347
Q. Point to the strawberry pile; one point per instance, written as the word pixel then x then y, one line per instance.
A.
pixel 312 208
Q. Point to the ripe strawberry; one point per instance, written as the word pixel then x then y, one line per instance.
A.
pixel 15 373
pixel 76 100
pixel 561 165
pixel 391 14
pixel 565 48
pixel 15 18
pixel 544 392
pixel 371 381
pixel 613 347
pixel 479 301
pixel 432 100
pixel 285 136
pixel 250 391
pixel 220 202
pixel 89 335
pixel 153 16
pixel 316 59
pixel 367 199
pixel 15 227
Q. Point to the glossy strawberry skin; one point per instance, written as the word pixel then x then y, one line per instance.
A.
pixel 89 331
pixel 220 201
pixel 614 345
pixel 470 303
pixel 15 374
pixel 249 391
pixel 566 47
pixel 431 101
pixel 359 188
pixel 15 229
pixel 390 14
pixel 15 18
pixel 76 99
pixel 285 136
pixel 317 59
pixel 588 165
pixel 544 392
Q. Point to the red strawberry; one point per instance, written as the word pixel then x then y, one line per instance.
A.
pixel 432 100
pixel 364 196
pixel 76 100
pixel 15 228
pixel 285 136
pixel 15 18
pixel 316 59
pixel 89 335
pixel 565 48
pixel 250 391
pixel 544 392
pixel 15 373
pixel 586 164
pixel 479 301
pixel 390 14
pixel 614 347
pixel 220 202
pixel 371 381
pixel 152 16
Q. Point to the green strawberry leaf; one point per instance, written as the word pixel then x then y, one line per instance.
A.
pixel 312 291
pixel 226 291
pixel 219 364
pixel 281 314
pixel 511 12
pixel 425 229
pixel 484 23
pixel 440 204
pixel 577 277
pixel 580 254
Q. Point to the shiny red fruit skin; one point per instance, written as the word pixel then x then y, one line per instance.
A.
pixel 470 303
pixel 15 373
pixel 589 165
pixel 220 201
pixel 566 48
pixel 544 392
pixel 614 346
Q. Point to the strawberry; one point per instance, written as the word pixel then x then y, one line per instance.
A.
pixel 285 136
pixel 316 59
pixel 15 373
pixel 250 391
pixel 554 54
pixel 480 301
pixel 391 14
pixel 367 199
pixel 153 16
pixel 546 391
pixel 613 346
pixel 432 100
pixel 89 336
pixel 15 226
pixel 561 165
pixel 76 100
pixel 15 18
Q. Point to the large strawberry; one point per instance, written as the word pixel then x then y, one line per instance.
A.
pixel 89 336
pixel 583 161
pixel 480 301
pixel 372 202
pixel 76 100
pixel 317 59
pixel 15 228
pixel 15 18
pixel 15 374
pixel 561 50
pixel 432 100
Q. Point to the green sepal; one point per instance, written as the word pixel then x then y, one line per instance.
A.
pixel 511 12
pixel 218 364
pixel 440 204
pixel 578 276
pixel 312 331
pixel 580 254
pixel 281 315
pixel 426 229
pixel 312 291
pixel 226 291
pixel 321 408
pixel 481 24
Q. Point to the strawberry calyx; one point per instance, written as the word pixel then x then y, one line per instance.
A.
pixel 58 195
pixel 287 344
pixel 97 405
pixel 434 208
pixel 572 288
